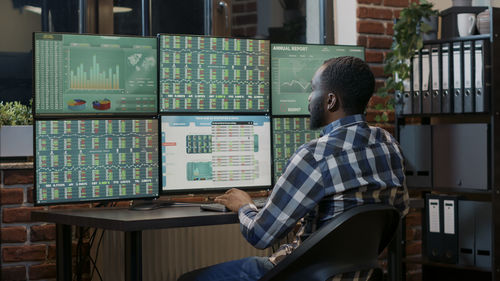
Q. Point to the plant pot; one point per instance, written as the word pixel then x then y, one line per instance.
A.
pixel 16 141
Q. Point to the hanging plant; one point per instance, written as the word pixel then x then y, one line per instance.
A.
pixel 407 37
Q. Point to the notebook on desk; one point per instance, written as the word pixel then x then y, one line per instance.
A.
pixel 216 207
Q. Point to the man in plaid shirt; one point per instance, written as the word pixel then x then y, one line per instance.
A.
pixel 349 165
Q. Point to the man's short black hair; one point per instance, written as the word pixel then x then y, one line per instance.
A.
pixel 351 79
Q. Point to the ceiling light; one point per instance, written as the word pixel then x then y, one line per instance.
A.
pixel 117 10
pixel 33 9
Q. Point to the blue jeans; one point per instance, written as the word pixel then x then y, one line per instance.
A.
pixel 247 269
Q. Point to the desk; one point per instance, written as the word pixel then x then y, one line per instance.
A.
pixel 128 221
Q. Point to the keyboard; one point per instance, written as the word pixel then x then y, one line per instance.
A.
pixel 259 202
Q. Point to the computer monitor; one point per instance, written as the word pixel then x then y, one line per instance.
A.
pixel 95 159
pixel 292 68
pixel 94 74
pixel 206 152
pixel 212 74
pixel 289 133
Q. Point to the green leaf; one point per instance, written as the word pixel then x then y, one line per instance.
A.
pixel 385 117
pixel 407 40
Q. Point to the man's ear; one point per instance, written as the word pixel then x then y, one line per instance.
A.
pixel 332 102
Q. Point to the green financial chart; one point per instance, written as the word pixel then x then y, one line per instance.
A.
pixel 289 133
pixel 209 74
pixel 89 160
pixel 293 67
pixel 90 74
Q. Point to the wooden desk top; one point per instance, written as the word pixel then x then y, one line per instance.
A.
pixel 123 219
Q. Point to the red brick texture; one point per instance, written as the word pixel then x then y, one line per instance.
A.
pixel 24 253
pixel 11 196
pixel 42 271
pixel 244 18
pixel 28 250
pixel 45 232
pixel 13 273
pixel 13 234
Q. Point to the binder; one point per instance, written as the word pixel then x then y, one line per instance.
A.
pixel 434 249
pixel 402 101
pixel 457 78
pixel 460 156
pixel 407 104
pixel 483 234
pixel 426 92
pixel 480 91
pixel 446 90
pixel 468 103
pixel 466 232
pixel 436 68
pixel 416 97
pixel 415 141
pixel 450 223
pixel 442 231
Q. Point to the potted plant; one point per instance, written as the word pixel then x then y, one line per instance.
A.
pixel 16 130
pixel 408 38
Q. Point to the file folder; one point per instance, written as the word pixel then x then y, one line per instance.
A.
pixel 415 141
pixel 460 156
pixel 434 249
pixel 407 103
pixel 483 234
pixel 436 68
pixel 457 78
pixel 450 222
pixel 466 232
pixel 446 91
pixel 402 101
pixel 480 96
pixel 468 97
pixel 426 92
pixel 416 97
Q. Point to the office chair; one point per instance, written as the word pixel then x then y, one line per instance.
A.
pixel 350 242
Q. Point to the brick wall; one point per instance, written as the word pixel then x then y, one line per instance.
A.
pixel 374 25
pixel 244 18
pixel 28 248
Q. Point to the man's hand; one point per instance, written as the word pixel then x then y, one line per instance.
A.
pixel 234 199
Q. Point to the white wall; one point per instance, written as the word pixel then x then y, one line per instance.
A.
pixel 16 28
pixel 313 23
pixel 345 22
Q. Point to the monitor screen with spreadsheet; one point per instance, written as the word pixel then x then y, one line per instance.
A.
pixel 94 75
pixel 213 74
pixel 292 68
pixel 289 133
pixel 95 159
pixel 206 152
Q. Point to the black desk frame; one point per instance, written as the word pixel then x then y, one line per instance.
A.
pixel 132 223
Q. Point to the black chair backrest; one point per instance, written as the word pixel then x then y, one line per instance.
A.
pixel 349 242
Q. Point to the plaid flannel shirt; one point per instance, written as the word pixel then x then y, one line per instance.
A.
pixel 349 165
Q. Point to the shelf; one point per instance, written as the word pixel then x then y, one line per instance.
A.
pixel 452 190
pixel 425 261
pixel 469 115
pixel 458 39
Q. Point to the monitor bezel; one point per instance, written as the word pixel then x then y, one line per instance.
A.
pixel 86 114
pixel 214 190
pixel 363 50
pixel 218 111
pixel 90 201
